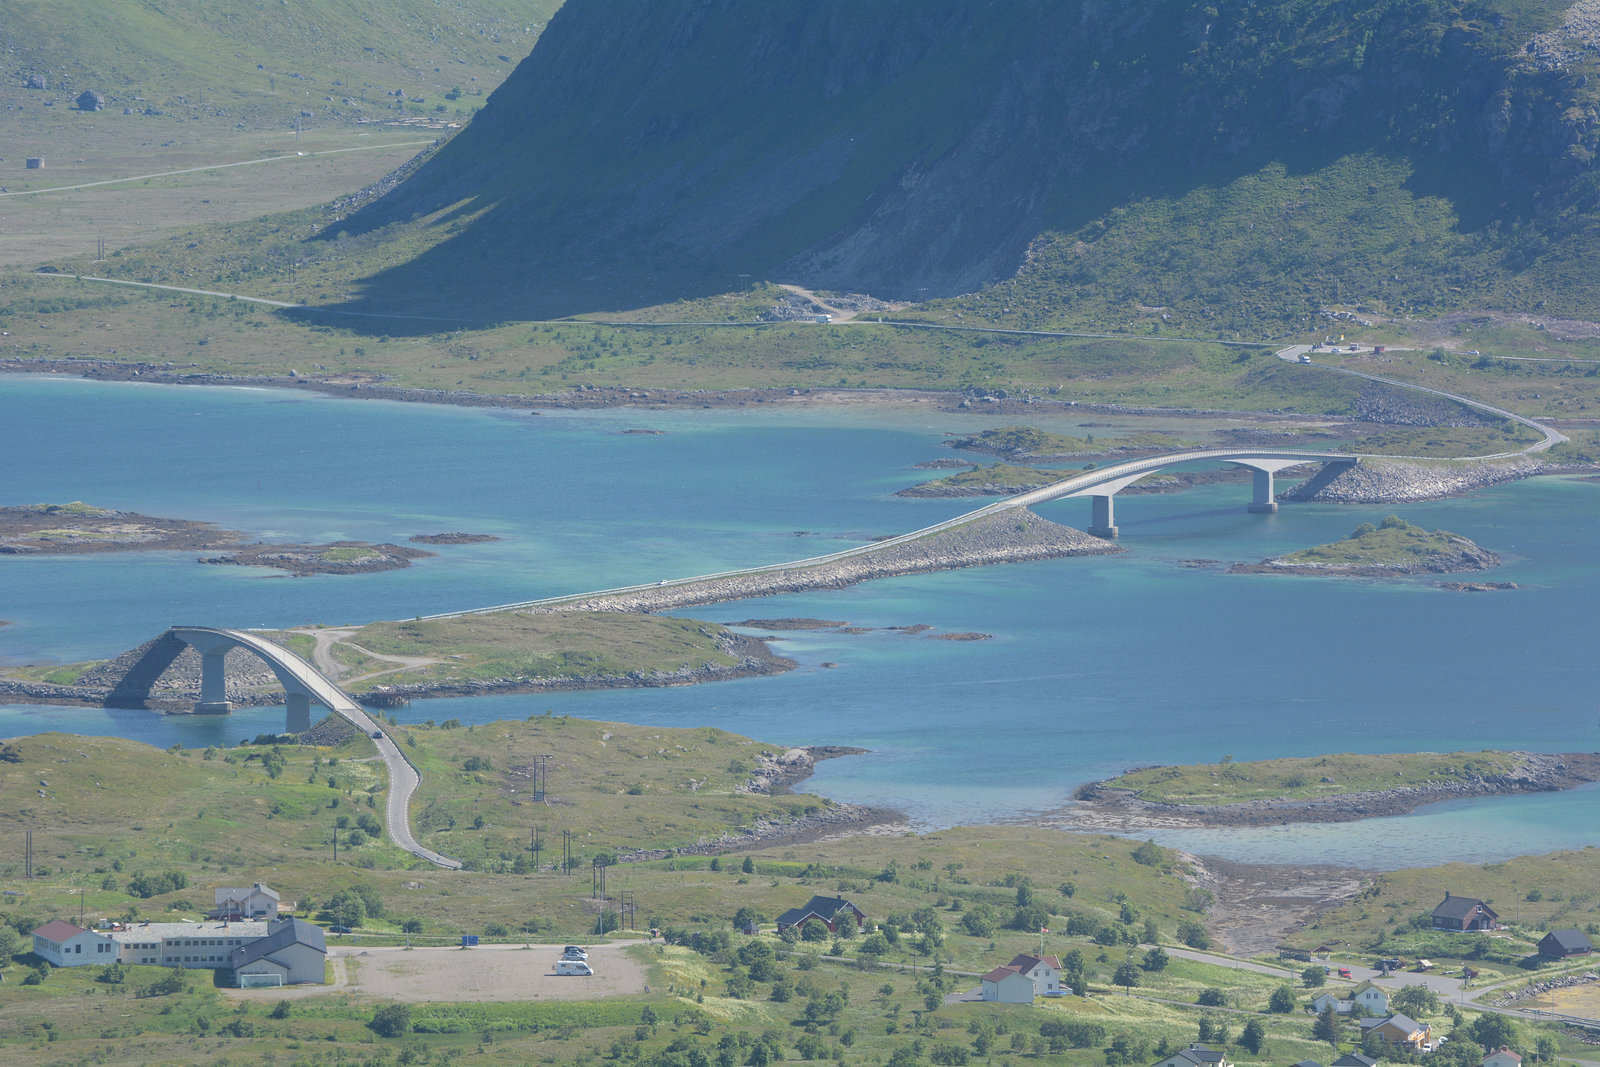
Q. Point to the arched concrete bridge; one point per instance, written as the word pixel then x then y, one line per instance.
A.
pixel 1101 485
pixel 304 683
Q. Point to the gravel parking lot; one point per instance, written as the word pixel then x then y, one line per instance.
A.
pixel 491 972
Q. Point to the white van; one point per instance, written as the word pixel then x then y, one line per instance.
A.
pixel 574 967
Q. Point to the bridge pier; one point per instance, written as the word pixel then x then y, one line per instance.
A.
pixel 1102 522
pixel 213 683
pixel 1262 501
pixel 299 718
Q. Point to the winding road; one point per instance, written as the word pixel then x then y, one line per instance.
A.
pixel 403 775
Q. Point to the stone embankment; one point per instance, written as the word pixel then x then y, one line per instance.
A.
pixel 1396 481
pixel 1536 772
pixel 1007 537
pixel 1538 989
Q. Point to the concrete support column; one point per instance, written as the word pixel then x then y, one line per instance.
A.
pixel 299 719
pixel 1262 501
pixel 213 684
pixel 1103 523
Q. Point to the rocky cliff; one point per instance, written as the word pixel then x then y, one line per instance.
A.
pixel 913 148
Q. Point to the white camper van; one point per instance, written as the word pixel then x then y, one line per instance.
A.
pixel 574 967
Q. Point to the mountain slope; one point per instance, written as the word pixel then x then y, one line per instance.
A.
pixel 1111 156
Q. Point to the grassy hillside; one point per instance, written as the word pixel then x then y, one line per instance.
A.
pixel 230 61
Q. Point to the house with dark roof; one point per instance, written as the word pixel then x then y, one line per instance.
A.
pixel 1044 971
pixel 1354 1059
pixel 830 911
pixel 1558 944
pixel 1458 914
pixel 1196 1055
pixel 292 952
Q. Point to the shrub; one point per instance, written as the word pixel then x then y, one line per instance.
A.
pixel 391 1020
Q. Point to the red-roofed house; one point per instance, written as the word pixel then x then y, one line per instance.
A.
pixel 1007 985
pixel 66 944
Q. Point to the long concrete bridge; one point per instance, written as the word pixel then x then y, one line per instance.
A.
pixel 1099 485
pixel 304 684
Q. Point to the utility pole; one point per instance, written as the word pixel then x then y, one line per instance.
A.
pixel 540 776
pixel 535 846
pixel 566 852
pixel 27 861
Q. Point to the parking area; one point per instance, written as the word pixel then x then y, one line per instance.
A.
pixel 489 972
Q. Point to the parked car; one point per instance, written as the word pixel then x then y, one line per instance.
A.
pixel 1344 972
pixel 573 952
pixel 338 929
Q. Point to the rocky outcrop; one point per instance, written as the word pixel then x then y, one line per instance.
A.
pixel 1536 772
pixel 1398 481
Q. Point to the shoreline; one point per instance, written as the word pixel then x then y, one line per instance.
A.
pixel 1099 807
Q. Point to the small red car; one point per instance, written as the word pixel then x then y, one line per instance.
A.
pixel 1344 972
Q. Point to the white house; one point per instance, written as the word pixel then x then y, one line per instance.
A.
pixel 1502 1057
pixel 1370 999
pixel 255 902
pixel 1045 971
pixel 66 944
pixel 1340 1005
pixel 1007 985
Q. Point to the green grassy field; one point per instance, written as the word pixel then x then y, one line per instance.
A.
pixel 564 645
pixel 956 900
pixel 1393 543
pixel 1302 778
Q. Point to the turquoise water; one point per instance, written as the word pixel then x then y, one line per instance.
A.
pixel 1094 665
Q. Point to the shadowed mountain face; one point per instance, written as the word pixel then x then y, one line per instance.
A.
pixel 650 151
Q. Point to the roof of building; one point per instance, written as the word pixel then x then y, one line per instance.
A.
pixel 284 933
pixel 244 893
pixel 1354 1059
pixel 162 931
pixel 1459 907
pixel 1506 1052
pixel 59 930
pixel 1404 1023
pixel 1000 974
pixel 1570 940
pixel 1308 1063
pixel 824 908
pixel 1200 1054
pixel 1025 963
pixel 1363 987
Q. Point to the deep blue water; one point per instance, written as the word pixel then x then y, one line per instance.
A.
pixel 1094 665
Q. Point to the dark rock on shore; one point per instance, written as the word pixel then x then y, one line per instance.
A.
pixel 1477 587
pixel 451 539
